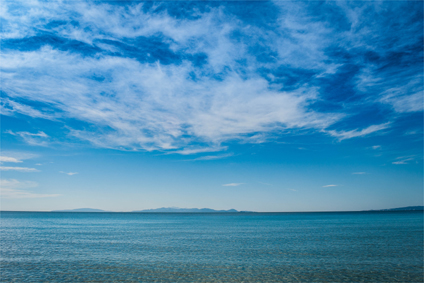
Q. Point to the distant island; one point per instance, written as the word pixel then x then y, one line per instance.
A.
pixel 406 208
pixel 162 209
pixel 81 210
pixel 192 210
pixel 210 210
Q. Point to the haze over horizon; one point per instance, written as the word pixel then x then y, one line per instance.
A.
pixel 253 106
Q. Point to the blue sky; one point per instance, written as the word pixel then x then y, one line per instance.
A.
pixel 264 106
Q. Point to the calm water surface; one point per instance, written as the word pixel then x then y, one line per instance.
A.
pixel 280 247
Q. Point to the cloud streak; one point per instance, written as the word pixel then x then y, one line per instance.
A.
pixel 211 157
pixel 232 184
pixel 69 173
pixel 37 139
pixel 403 160
pixel 20 169
pixel 342 135
pixel 9 159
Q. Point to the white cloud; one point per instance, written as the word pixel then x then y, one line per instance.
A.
pixel 327 186
pixel 211 157
pixel 9 107
pixel 19 155
pixel 359 173
pixel 399 87
pixel 257 138
pixel 342 135
pixel 304 41
pixel 38 139
pixel 403 160
pixel 376 147
pixel 406 97
pixel 9 193
pixel 232 184
pixel 69 173
pixel 21 169
pixel 161 100
pixel 138 99
pixel 9 159
pixel 155 106
pixel 410 103
pixel 413 132
pixel 195 150
pixel 12 188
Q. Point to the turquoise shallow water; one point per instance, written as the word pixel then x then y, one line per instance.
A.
pixel 277 247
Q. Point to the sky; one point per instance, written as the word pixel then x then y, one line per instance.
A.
pixel 258 105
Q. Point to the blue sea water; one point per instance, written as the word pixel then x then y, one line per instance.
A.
pixel 262 247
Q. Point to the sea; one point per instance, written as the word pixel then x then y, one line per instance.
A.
pixel 211 247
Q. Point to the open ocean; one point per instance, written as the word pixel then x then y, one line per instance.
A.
pixel 184 247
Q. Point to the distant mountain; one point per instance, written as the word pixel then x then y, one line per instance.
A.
pixel 80 210
pixel 176 209
pixel 407 208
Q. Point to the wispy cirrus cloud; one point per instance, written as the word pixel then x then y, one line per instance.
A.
pixel 154 80
pixel 233 184
pixel 9 159
pixel 341 135
pixel 19 155
pixel 20 169
pixel 211 157
pixel 218 113
pixel 12 188
pixel 69 173
pixel 359 173
pixel 196 150
pixel 403 160
pixel 328 186
pixel 38 139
